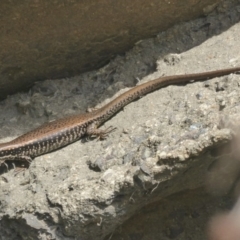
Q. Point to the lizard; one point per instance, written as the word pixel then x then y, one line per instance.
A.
pixel 61 132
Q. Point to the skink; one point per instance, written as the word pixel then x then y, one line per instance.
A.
pixel 61 132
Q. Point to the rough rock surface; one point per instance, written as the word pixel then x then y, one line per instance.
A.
pixel 165 142
pixel 51 39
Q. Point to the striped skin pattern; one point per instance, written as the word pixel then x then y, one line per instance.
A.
pixel 43 139
pixel 59 133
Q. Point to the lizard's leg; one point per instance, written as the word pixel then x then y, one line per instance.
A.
pixel 101 134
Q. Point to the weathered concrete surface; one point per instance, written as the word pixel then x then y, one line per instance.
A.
pixel 165 142
pixel 51 39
